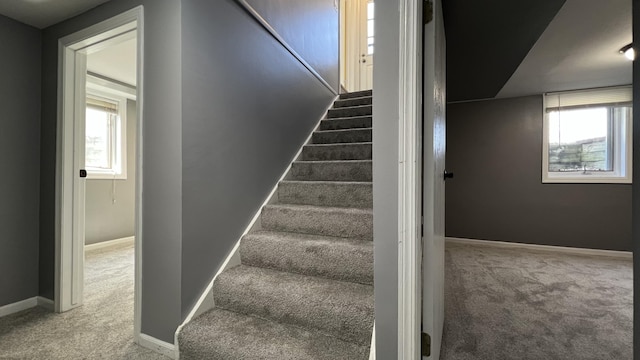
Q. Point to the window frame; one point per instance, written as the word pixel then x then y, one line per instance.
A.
pixel 622 150
pixel 118 169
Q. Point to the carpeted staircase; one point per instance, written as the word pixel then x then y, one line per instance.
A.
pixel 304 289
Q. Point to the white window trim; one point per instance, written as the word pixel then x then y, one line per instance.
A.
pixel 97 174
pixel 621 175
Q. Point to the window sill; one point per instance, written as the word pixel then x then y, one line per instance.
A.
pixel 94 176
pixel 586 179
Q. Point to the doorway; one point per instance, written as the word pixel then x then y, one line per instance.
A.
pixel 356 44
pixel 85 95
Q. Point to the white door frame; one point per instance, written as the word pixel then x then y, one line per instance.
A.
pixel 409 179
pixel 69 217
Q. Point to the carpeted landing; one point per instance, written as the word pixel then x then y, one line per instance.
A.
pixel 304 289
pixel 505 303
pixel 100 329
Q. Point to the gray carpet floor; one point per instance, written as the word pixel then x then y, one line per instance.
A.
pixel 504 303
pixel 100 329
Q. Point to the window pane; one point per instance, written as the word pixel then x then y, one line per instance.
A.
pixel 370 28
pixel 370 49
pixel 370 9
pixel 98 139
pixel 580 140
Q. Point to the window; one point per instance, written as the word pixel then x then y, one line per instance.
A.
pixel 105 144
pixel 587 136
pixel 370 9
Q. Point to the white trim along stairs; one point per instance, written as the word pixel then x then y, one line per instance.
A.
pixel 304 286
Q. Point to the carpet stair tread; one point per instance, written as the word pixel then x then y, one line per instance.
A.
pixel 361 110
pixel 342 136
pixel 337 308
pixel 355 101
pixel 319 220
pixel 355 94
pixel 345 151
pixel 332 170
pixel 353 122
pixel 225 335
pixel 326 193
pixel 335 258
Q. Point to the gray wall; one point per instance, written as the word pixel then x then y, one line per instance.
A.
pixel 105 219
pixel 385 178
pixel 19 159
pixel 309 27
pixel 495 150
pixel 162 158
pixel 248 106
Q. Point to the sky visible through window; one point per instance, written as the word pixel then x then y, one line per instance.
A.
pixel 98 139
pixel 571 126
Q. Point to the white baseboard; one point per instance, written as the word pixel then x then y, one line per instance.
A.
pixel 556 249
pixel 110 243
pixel 159 346
pixel 45 303
pixel 372 348
pixel 26 304
pixel 205 302
pixel 18 306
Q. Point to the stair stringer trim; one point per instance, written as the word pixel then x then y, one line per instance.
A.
pixel 205 301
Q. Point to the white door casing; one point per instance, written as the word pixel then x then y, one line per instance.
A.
pixel 70 188
pixel 434 183
pixel 409 178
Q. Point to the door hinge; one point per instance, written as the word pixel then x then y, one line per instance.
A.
pixel 428 11
pixel 426 344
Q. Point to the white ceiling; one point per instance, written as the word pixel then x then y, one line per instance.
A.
pixel 116 61
pixel 44 13
pixel 579 49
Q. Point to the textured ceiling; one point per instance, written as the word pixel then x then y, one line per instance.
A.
pixel 44 13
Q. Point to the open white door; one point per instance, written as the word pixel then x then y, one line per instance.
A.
pixel 366 39
pixel 433 178
pixel 357 44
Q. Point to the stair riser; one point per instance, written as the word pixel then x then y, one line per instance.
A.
pixel 346 123
pixel 326 194
pixel 308 305
pixel 338 260
pixel 331 171
pixel 341 136
pixel 356 94
pixel 337 152
pixel 353 102
pixel 349 111
pixel 312 221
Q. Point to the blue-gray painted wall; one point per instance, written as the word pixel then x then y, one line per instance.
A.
pixel 19 158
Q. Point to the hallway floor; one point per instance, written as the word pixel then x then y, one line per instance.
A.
pixel 508 303
pixel 100 329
